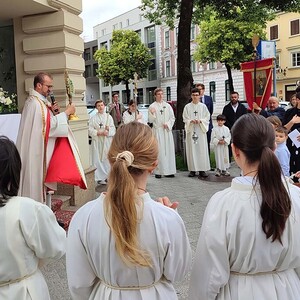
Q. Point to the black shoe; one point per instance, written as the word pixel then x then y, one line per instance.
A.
pixel 192 174
pixel 170 176
pixel 202 174
pixel 157 176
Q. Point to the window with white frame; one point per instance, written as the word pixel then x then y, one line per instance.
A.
pixel 296 59
pixel 294 26
pixel 168 93
pixel 167 39
pixel 212 65
pixel 193 64
pixel 176 36
pixel 193 31
pixel 168 68
pixel 127 22
pixel 277 60
pixel 212 90
pixel 227 90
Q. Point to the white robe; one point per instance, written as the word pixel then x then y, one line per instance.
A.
pixel 166 157
pixel 196 153
pixel 130 117
pixel 232 240
pixel 101 144
pixel 221 150
pixel 91 255
pixel 30 144
pixel 29 234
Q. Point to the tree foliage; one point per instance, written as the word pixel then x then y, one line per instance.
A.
pixel 126 56
pixel 168 11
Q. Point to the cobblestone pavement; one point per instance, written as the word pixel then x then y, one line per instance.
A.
pixel 192 194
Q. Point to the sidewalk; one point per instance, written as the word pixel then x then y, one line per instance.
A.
pixel 192 194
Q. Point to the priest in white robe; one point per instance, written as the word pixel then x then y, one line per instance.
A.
pixel 41 124
pixel 161 114
pixel 196 118
pixel 221 137
pixel 101 129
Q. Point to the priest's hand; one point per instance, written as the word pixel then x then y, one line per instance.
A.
pixel 166 202
pixel 152 110
pixel 55 108
pixel 70 109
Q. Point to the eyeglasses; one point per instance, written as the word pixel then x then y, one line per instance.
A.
pixel 48 86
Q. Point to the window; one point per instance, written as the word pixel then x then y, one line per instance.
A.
pixel 168 93
pixel 95 67
pixel 227 90
pixel 212 90
pixel 120 25
pixel 193 31
pixel 103 31
pixel 277 60
pixel 127 22
pixel 103 45
pixel 150 34
pixel 168 69
pixel 274 32
pixel 193 64
pixel 295 27
pixel 296 59
pixel 88 71
pixel 87 54
pixel 212 65
pixel 176 36
pixel 95 48
pixel 115 26
pixel 167 39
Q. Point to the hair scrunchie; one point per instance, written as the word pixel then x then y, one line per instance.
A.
pixel 126 156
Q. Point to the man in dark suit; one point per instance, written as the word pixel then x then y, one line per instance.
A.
pixel 232 111
pixel 207 100
pixel 116 109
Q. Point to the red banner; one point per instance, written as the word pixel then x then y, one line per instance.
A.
pixel 258 80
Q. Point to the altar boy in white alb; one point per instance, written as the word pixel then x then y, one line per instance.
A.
pixel 161 114
pixel 101 129
pixel 221 137
pixel 196 118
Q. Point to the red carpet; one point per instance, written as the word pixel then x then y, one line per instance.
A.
pixel 63 216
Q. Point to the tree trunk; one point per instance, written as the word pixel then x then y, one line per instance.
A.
pixel 230 81
pixel 184 74
pixel 127 91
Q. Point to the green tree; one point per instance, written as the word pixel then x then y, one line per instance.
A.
pixel 187 10
pixel 228 40
pixel 126 56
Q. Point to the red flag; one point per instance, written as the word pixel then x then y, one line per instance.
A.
pixel 262 81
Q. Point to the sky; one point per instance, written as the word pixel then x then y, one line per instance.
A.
pixel 95 12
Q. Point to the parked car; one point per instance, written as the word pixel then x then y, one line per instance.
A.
pixel 143 109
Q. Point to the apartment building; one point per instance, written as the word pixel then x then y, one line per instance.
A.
pixel 149 34
pixel 285 31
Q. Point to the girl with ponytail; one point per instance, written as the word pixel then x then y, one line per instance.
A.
pixel 249 245
pixel 124 245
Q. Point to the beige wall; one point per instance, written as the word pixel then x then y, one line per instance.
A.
pixel 285 44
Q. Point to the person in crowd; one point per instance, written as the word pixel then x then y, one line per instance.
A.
pixel 29 234
pixel 249 241
pixel 293 101
pixel 46 143
pixel 273 109
pixel 282 152
pixel 196 118
pixel 161 115
pixel 125 245
pixel 207 100
pixel 116 109
pixel 232 111
pixel 101 129
pixel 132 114
pixel 275 121
pixel 291 121
pixel 221 139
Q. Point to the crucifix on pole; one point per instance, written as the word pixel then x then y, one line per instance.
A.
pixel 135 91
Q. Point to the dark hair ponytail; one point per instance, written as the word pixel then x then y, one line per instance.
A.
pixel 255 137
